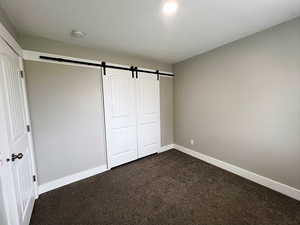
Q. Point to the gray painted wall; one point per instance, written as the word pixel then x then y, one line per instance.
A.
pixel 166 85
pixel 39 86
pixel 7 23
pixel 166 110
pixel 55 91
pixel 241 103
pixel 67 118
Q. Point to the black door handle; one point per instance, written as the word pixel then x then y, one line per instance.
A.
pixel 14 156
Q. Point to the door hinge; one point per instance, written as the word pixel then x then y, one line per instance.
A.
pixel 22 74
pixel 34 178
pixel 132 72
pixel 28 128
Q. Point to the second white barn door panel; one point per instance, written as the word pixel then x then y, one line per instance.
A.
pixel 120 113
pixel 132 112
pixel 148 114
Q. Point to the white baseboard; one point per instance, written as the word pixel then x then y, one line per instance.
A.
pixel 166 148
pixel 70 179
pixel 267 182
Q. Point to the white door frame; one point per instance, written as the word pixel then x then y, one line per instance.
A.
pixel 28 120
pixel 9 45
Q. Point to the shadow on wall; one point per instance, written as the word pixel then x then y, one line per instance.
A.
pixel 240 103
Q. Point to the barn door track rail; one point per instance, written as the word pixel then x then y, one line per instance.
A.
pixel 104 65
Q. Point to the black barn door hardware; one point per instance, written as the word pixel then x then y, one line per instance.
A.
pixel 136 73
pixel 132 72
pixel 103 65
pixel 69 61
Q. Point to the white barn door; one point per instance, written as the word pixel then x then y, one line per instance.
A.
pixel 120 116
pixel 132 115
pixel 18 153
pixel 148 114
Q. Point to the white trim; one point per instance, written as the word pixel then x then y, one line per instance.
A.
pixel 35 56
pixel 167 76
pixel 71 179
pixel 267 182
pixel 28 121
pixel 166 148
pixel 9 39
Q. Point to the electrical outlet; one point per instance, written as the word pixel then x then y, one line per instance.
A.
pixel 192 142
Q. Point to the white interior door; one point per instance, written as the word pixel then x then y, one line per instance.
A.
pixel 120 116
pixel 148 114
pixel 19 153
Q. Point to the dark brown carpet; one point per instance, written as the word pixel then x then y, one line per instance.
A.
pixel 169 188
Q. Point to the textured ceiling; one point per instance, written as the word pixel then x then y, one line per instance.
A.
pixel 139 27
